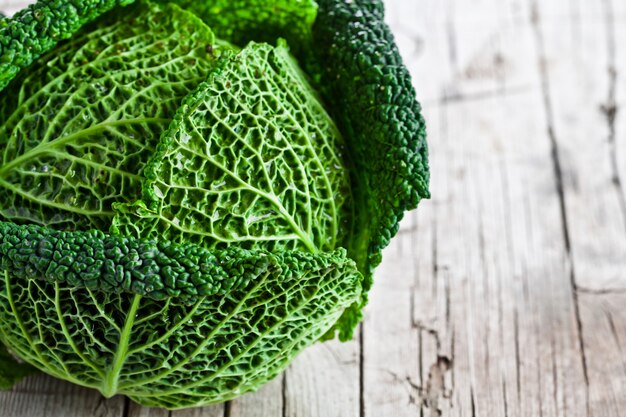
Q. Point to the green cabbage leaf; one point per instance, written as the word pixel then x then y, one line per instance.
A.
pixel 78 127
pixel 242 21
pixel 167 325
pixel 252 159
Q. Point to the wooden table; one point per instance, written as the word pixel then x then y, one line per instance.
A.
pixel 504 295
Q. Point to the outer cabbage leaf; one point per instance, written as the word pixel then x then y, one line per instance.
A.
pixel 241 21
pixel 108 321
pixel 373 101
pixel 77 128
pixel 38 28
pixel 252 159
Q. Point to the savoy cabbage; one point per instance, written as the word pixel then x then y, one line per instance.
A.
pixel 180 215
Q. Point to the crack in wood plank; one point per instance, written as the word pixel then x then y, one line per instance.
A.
pixel 558 173
pixel 600 291
pixel 283 392
pixel 473 402
pixel 434 388
pixel 610 107
pixel 504 399
pixel 435 385
pixel 411 386
pixel 101 408
pixel 126 409
pixel 518 373
pixel 361 373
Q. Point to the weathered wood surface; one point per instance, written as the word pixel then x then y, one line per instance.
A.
pixel 505 295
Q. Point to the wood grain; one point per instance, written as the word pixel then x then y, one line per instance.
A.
pixel 134 410
pixel 504 295
pixel 44 396
pixel 268 401
pixel 584 118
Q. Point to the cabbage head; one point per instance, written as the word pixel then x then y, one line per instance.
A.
pixel 183 208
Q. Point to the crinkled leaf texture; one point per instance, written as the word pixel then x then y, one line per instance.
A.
pixel 252 159
pixel 38 28
pixel 242 21
pixel 167 325
pixel 77 128
pixel 371 94
pixel 372 98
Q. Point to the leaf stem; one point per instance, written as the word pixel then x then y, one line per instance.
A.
pixel 111 381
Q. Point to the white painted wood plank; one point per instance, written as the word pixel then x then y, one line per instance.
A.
pixel 584 93
pixel 9 7
pixel 499 250
pixel 391 370
pixel 135 410
pixel 44 396
pixel 268 401
pixel 324 381
pixel 604 327
pixel 495 288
